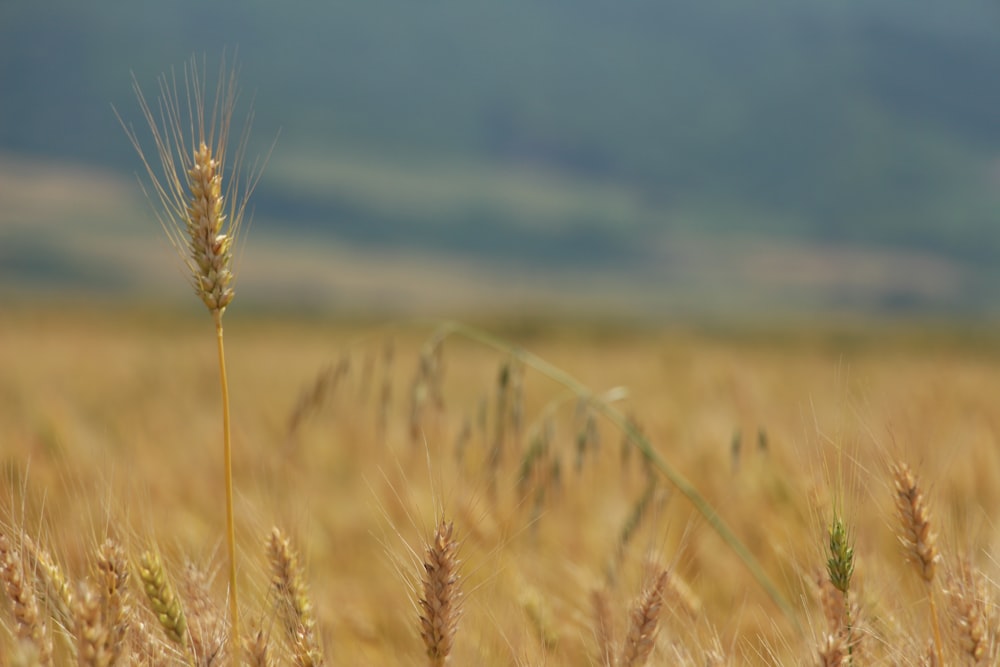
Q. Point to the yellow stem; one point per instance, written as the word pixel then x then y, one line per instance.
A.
pixel 935 626
pixel 227 455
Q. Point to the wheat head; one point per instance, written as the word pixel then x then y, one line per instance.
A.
pixel 201 189
pixel 441 604
pixel 30 627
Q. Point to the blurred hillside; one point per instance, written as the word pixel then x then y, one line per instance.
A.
pixel 656 154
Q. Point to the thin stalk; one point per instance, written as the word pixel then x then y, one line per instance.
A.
pixel 643 445
pixel 935 626
pixel 227 455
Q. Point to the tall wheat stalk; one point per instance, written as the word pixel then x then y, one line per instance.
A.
pixel 201 215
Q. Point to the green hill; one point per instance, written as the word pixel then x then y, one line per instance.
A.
pixel 560 132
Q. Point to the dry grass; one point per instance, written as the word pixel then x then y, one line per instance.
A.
pixel 546 501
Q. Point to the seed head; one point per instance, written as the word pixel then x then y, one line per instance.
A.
pixel 201 190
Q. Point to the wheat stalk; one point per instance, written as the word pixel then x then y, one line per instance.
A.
pixel 202 216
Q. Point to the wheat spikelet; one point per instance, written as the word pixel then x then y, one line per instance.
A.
pixel 292 598
pixel 201 216
pixel 256 649
pixel 835 593
pixel 840 564
pixel 30 628
pixel 643 622
pixel 973 615
pixel 313 397
pixel 112 566
pixel 440 605
pixel 162 599
pixel 93 636
pixel 145 649
pixel 918 538
pixel 640 510
pixel 831 600
pixel 540 616
pixel 681 596
pixel 206 626
pixel 604 628
pixel 55 589
pixel 832 652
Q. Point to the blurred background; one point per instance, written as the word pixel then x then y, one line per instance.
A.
pixel 637 157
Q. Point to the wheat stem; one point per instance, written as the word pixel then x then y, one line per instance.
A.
pixel 227 454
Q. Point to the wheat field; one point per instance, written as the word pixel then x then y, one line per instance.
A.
pixel 391 472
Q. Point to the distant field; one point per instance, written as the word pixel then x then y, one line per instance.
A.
pixel 71 228
pixel 109 427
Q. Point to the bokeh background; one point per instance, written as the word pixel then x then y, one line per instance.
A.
pixel 636 157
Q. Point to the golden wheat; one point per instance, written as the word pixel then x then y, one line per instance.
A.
pixel 919 540
pixel 292 599
pixel 643 623
pixel 31 628
pixel 441 604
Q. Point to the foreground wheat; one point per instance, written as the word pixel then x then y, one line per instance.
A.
pixel 917 537
pixel 201 216
pixel 441 604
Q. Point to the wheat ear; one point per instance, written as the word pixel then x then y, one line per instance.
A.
pixel 162 599
pixel 918 539
pixel 837 602
pixel 293 600
pixel 55 591
pixel 112 568
pixel 202 217
pixel 973 614
pixel 441 604
pixel 93 636
pixel 643 622
pixel 29 625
